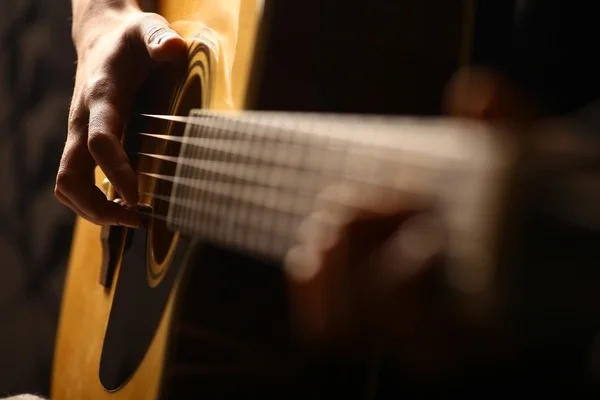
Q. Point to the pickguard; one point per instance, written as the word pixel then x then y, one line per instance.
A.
pixel 136 311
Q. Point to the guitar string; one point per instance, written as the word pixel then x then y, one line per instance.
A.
pixel 285 232
pixel 288 219
pixel 279 176
pixel 274 202
pixel 222 145
pixel 373 131
pixel 277 194
pixel 218 136
pixel 226 145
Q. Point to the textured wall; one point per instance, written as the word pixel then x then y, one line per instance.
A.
pixel 37 66
pixel 36 78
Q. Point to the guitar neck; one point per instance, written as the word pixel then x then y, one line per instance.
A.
pixel 247 180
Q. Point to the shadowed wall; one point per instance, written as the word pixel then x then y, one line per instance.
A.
pixel 36 77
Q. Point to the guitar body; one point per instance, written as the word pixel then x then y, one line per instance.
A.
pixel 150 313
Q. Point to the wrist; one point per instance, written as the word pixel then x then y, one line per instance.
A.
pixel 88 14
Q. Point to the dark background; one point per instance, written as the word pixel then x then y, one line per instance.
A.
pixel 37 66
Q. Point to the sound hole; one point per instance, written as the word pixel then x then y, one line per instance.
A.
pixel 162 237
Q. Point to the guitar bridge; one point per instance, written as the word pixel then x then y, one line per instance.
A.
pixel 113 248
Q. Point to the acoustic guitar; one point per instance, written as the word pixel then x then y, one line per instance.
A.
pixel 194 305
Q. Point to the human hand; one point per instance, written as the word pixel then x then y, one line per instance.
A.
pixel 362 276
pixel 117 49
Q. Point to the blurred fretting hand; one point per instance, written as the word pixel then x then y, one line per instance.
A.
pixel 360 274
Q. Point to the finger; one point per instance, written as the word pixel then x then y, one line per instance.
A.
pixel 75 184
pixel 65 200
pixel 320 230
pixel 93 206
pixel 104 133
pixel 78 120
pixel 162 42
pixel 89 202
pixel 317 288
pixel 415 245
pixel 484 94
pixel 308 308
pixel 347 202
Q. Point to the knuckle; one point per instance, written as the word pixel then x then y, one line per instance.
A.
pixel 62 182
pixel 77 119
pixel 57 191
pixel 65 182
pixel 99 88
pixel 131 32
pixel 98 142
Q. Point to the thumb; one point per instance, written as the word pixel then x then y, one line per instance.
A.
pixel 162 42
pixel 483 94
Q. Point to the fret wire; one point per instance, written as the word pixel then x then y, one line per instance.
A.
pixel 237 207
pixel 194 152
pixel 182 190
pixel 222 130
pixel 177 189
pixel 186 152
pixel 285 183
pixel 268 239
pixel 213 204
pixel 233 203
pixel 246 217
pixel 245 235
pixel 219 207
pixel 295 203
pixel 228 229
pixel 301 141
pixel 211 201
pixel 250 216
pixel 200 195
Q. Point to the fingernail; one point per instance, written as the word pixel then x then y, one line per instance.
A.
pixel 130 202
pixel 165 37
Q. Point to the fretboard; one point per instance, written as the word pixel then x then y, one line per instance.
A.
pixel 247 180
